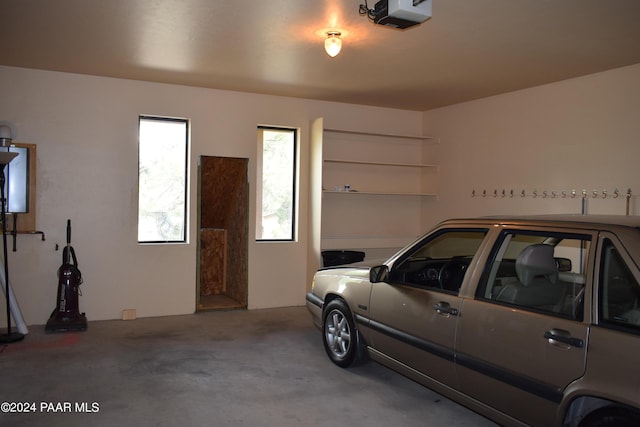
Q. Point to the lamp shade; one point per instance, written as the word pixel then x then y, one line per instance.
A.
pixel 333 43
pixel 6 157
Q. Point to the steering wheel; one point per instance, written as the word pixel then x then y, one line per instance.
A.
pixel 452 273
pixel 428 277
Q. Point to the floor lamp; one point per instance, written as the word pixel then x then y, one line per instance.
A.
pixel 8 337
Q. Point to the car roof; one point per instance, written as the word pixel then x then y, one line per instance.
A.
pixel 564 220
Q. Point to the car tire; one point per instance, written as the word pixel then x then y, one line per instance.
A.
pixel 339 334
pixel 611 417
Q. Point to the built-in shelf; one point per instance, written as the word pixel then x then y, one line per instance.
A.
pixel 378 193
pixel 360 162
pixel 364 242
pixel 390 176
pixel 383 135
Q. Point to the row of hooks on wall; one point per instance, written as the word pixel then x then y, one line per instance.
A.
pixel 552 194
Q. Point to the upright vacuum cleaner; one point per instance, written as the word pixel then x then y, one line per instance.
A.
pixel 67 316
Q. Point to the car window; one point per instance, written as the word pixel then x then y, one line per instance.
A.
pixel 440 261
pixel 542 272
pixel 619 294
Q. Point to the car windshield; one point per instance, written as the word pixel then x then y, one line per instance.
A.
pixel 449 245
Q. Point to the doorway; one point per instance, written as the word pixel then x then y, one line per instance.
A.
pixel 222 238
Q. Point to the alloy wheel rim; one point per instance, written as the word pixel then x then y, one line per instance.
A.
pixel 338 334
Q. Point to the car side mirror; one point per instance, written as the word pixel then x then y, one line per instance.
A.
pixel 563 264
pixel 379 273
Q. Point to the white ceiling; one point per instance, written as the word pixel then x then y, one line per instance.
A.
pixel 469 49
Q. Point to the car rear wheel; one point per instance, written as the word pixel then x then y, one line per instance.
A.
pixel 339 334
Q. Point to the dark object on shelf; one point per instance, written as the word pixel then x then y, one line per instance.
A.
pixel 333 258
pixel 67 316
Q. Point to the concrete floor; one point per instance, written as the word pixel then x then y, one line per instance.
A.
pixel 234 368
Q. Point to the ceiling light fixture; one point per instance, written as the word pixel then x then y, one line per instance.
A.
pixel 333 43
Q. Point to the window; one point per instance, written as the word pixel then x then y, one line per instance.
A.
pixel 276 189
pixel 539 272
pixel 441 262
pixel 163 149
pixel 619 291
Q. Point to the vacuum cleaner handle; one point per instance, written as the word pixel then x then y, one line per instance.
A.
pixel 68 250
pixel 73 255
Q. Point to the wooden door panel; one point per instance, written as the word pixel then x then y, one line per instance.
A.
pixel 213 261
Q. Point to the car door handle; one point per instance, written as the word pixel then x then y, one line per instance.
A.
pixel 444 308
pixel 560 335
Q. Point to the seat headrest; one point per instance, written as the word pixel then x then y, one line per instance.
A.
pixel 536 261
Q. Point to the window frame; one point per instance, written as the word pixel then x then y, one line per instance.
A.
pixel 629 266
pixel 499 249
pixel 418 246
pixel 294 184
pixel 187 146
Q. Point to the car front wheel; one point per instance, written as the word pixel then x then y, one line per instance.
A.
pixel 339 334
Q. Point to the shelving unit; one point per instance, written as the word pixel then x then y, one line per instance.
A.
pixel 389 166
pixel 380 193
pixel 387 135
pixel 388 175
pixel 355 162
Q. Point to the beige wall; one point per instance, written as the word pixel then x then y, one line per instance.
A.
pixel 86 132
pixel 582 133
pixel 577 134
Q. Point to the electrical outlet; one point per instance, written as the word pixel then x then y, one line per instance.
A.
pixel 129 314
